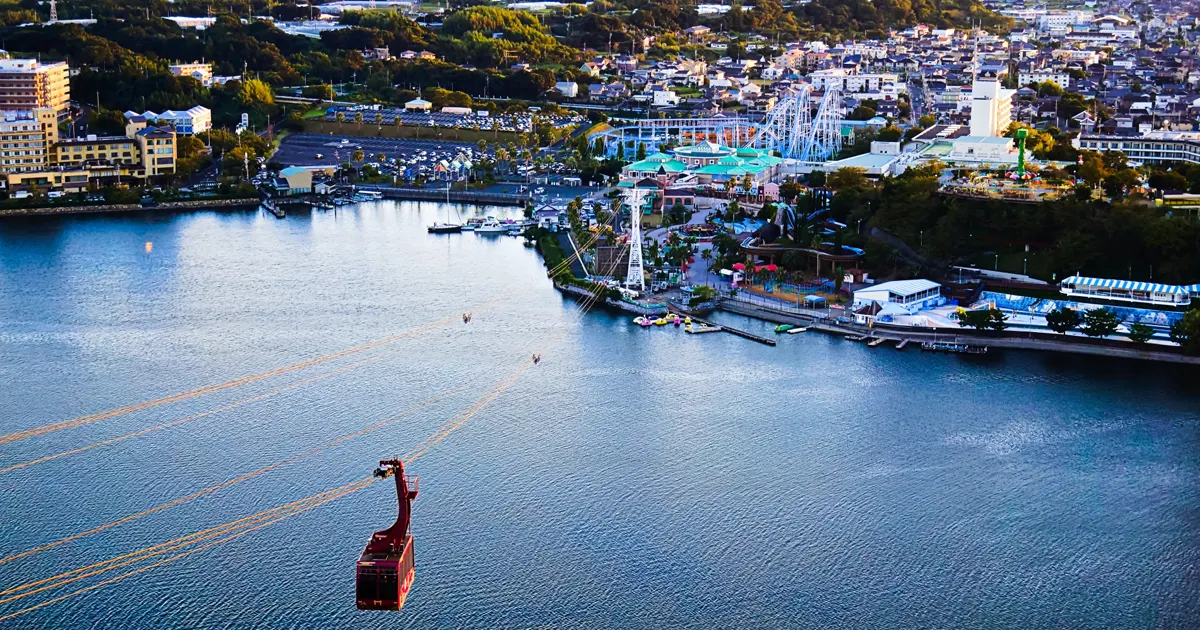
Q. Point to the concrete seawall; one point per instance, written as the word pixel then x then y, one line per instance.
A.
pixel 173 206
pixel 1013 340
pixel 455 196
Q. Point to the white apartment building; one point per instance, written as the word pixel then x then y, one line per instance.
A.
pixel 1041 75
pixel 192 121
pixel 1154 147
pixel 991 107
pixel 1062 21
pixel 852 82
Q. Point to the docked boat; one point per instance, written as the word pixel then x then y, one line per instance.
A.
pixel 942 346
pixel 471 224
pixel 491 226
pixel 797 330
pixel 661 321
pixel 642 321
pixel 444 228
pixel 782 328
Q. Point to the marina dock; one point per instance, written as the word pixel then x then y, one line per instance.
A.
pixel 454 196
pixel 901 343
pixel 273 208
pixel 740 333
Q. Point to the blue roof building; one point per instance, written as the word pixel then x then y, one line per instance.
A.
pixel 1133 291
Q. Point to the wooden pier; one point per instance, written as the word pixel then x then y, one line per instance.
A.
pixel 875 342
pixel 901 343
pixel 740 333
pixel 273 208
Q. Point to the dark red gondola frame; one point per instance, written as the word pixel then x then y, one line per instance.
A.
pixel 388 562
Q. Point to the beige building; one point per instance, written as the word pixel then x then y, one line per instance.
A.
pixel 27 84
pixel 41 159
pixel 26 138
pixel 201 72
pixel 157 145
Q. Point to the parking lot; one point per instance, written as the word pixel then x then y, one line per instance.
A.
pixel 304 149
pixel 516 123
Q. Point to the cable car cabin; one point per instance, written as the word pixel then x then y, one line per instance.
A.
pixel 386 567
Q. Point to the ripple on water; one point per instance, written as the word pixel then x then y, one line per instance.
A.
pixel 636 478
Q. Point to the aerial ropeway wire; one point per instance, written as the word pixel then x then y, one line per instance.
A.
pixel 240 527
pixel 25 434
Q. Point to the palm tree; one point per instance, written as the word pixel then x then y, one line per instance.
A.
pixel 381 157
pixel 482 146
pixel 396 121
pixel 341 117
pixel 358 117
pixel 357 156
pixel 706 255
pixel 379 118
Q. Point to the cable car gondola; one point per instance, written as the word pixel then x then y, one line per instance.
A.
pixel 386 567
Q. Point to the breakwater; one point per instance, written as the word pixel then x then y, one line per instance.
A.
pixel 201 204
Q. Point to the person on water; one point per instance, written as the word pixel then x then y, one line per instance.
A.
pixel 536 358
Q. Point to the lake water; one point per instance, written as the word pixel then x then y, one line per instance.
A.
pixel 635 479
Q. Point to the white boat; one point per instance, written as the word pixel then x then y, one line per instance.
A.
pixel 796 331
pixel 491 226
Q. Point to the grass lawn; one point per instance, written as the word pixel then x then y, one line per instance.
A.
pixel 316 112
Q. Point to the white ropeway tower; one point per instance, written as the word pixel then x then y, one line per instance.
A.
pixel 636 276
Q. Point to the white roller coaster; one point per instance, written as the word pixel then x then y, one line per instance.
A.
pixel 792 129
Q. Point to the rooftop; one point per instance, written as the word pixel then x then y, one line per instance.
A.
pixel 1127 285
pixel 902 287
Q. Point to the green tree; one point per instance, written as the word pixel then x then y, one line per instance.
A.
pixel 1100 322
pixel 1140 333
pixel 701 295
pixel 928 120
pixel 255 93
pixel 846 178
pixel 862 112
pixel 107 122
pixel 1063 320
pixel 890 133
pixel 981 319
pixel 641 151
pixel 1186 331
pixel 1049 88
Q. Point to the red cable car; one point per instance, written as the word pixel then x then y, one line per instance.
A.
pixel 386 567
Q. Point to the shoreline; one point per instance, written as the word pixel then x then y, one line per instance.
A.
pixel 1027 341
pixel 176 206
